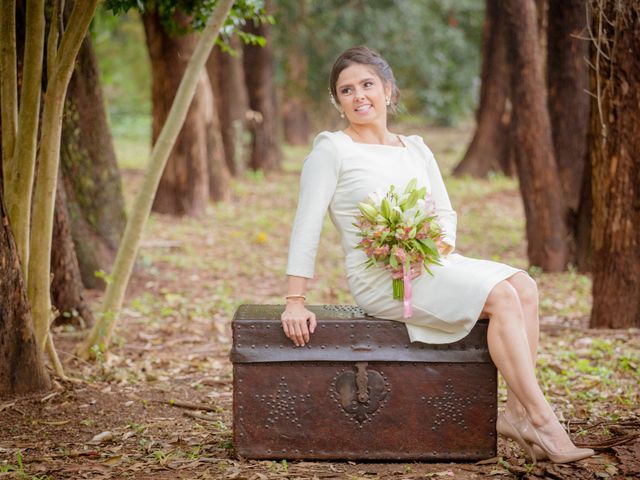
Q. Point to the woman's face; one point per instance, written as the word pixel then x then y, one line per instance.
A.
pixel 362 95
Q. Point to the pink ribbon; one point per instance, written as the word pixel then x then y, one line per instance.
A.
pixel 406 278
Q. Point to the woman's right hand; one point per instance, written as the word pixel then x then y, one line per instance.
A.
pixel 294 321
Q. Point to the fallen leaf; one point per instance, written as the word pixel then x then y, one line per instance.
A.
pixel 101 438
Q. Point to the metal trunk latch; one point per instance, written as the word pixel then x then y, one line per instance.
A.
pixel 361 393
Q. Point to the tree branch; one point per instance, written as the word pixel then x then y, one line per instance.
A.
pixel 9 90
pixel 19 203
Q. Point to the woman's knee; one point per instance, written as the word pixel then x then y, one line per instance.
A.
pixel 526 288
pixel 503 296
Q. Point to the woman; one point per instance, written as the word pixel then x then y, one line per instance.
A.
pixel 344 168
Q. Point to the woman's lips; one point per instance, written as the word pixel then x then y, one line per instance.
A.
pixel 363 108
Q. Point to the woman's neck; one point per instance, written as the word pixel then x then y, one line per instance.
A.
pixel 372 134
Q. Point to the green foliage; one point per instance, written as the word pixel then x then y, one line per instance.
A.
pixel 433 47
pixel 196 11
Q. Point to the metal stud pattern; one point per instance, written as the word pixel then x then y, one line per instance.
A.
pixel 450 407
pixel 282 405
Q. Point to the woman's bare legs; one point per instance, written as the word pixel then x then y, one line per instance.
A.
pixel 511 352
pixel 527 291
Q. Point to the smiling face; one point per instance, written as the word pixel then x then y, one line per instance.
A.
pixel 362 95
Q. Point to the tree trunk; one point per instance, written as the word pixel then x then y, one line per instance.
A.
pixel 100 335
pixel 533 147
pixel 258 69
pixel 489 149
pixel 66 285
pixel 615 154
pixel 184 187
pixel 90 171
pixel 21 364
pixel 219 176
pixel 294 110
pixel 568 81
pixel 226 73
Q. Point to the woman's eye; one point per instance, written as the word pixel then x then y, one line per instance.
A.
pixel 368 84
pixel 345 91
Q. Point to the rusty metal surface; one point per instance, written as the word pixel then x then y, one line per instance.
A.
pixel 343 334
pixel 363 407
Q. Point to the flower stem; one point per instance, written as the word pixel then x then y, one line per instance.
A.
pixel 398 289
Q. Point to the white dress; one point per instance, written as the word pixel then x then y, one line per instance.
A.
pixel 336 175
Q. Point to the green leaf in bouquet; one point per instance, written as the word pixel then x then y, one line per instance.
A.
pixel 384 236
pixel 422 193
pixel 412 200
pixel 431 246
pixel 411 185
pixel 393 262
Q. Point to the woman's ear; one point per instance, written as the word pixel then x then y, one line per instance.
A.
pixel 388 89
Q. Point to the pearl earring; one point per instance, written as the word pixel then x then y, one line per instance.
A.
pixel 388 101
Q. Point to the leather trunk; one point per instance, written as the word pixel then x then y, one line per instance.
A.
pixel 359 390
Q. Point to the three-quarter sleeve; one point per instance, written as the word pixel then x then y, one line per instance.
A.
pixel 318 181
pixel 447 216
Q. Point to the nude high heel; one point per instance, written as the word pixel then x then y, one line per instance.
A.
pixel 506 429
pixel 531 437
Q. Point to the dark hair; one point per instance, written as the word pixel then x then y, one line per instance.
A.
pixel 362 55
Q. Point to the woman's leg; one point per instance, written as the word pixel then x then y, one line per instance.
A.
pixel 510 351
pixel 527 292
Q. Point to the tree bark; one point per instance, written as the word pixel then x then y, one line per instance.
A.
pixel 226 73
pixel 568 82
pixel 533 147
pixel 258 69
pixel 219 176
pixel 66 285
pixel 294 109
pixel 21 364
pixel 90 171
pixel 184 187
pixel 615 154
pixel 490 148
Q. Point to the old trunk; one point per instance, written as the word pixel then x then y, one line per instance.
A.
pixel 615 150
pixel 568 81
pixel 184 187
pixel 258 69
pixel 226 73
pixel 90 172
pixel 489 149
pixel 533 147
pixel 21 365
pixel 66 284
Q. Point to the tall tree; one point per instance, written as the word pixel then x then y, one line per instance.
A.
pixel 90 172
pixel 615 161
pixel 490 148
pixel 21 366
pixel 258 69
pixel 184 187
pixel 33 224
pixel 568 83
pixel 226 73
pixel 532 142
pixel 101 333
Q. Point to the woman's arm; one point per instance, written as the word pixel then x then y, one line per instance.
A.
pixel 295 317
pixel 318 181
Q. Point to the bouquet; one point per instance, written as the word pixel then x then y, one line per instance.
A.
pixel 400 233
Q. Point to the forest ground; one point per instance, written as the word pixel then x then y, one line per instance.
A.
pixel 121 420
